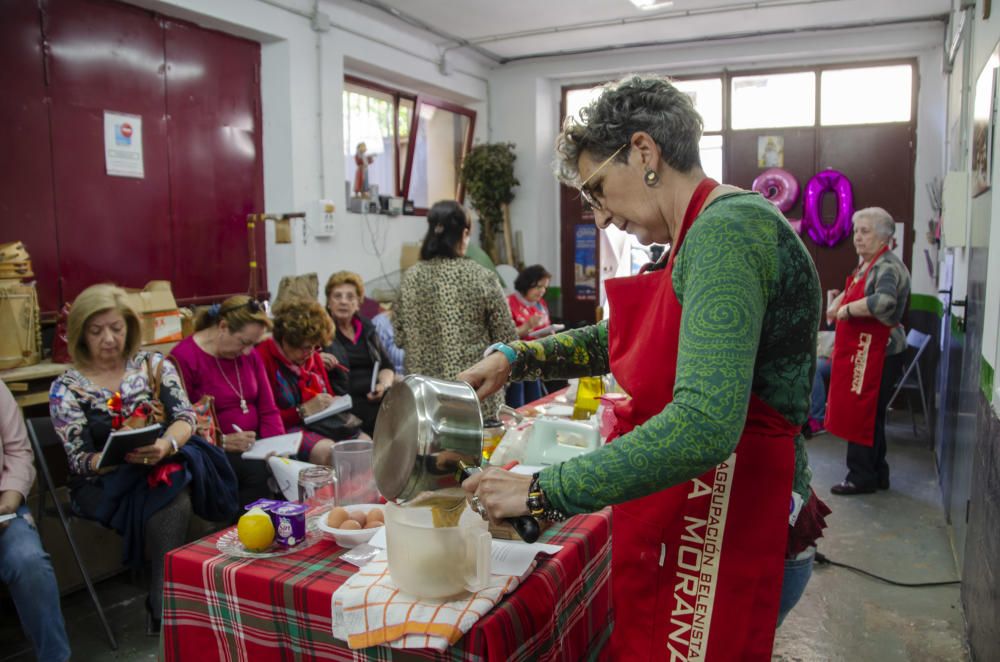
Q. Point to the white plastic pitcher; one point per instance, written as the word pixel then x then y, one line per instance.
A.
pixel 433 562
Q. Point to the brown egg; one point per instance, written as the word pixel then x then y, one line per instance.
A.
pixel 359 517
pixel 374 524
pixel 375 515
pixel 336 517
pixel 350 525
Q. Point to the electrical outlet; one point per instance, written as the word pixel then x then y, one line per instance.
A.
pixel 321 218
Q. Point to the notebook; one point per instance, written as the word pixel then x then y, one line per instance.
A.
pixel 122 442
pixel 378 366
pixel 340 404
pixel 282 444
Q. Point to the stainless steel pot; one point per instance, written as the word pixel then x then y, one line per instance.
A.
pixel 429 436
pixel 425 427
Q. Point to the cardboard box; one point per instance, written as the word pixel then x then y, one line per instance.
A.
pixel 409 255
pixel 157 310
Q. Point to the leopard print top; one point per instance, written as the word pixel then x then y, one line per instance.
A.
pixel 450 311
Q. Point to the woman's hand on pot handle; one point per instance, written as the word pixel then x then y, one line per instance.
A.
pixel 502 493
pixel 488 376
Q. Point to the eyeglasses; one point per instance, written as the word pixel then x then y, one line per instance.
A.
pixel 589 197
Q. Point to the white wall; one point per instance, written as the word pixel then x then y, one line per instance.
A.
pixel 526 96
pixel 302 76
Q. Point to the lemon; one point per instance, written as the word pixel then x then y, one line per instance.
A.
pixel 255 530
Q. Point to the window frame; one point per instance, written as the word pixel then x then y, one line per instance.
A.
pixel 403 176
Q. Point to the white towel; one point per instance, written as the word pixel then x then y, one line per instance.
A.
pixel 369 610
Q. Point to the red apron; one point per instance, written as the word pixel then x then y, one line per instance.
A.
pixel 697 568
pixel 859 348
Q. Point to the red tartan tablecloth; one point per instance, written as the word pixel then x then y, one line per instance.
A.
pixel 219 607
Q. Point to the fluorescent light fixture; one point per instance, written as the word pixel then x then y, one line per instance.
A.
pixel 647 5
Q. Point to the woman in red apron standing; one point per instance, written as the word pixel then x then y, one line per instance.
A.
pixel 867 351
pixel 715 345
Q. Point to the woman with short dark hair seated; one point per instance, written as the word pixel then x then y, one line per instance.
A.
pixel 298 378
pixel 149 499
pixel 355 350
pixel 218 360
pixel 531 315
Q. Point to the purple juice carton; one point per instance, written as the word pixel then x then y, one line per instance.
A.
pixel 289 523
pixel 266 505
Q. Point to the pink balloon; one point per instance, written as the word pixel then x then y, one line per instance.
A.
pixel 823 182
pixel 779 187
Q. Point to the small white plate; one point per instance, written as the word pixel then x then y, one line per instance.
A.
pixel 350 537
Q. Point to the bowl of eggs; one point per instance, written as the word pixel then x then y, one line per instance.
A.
pixel 352 525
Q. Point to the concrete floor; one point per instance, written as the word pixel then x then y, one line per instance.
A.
pixel 900 534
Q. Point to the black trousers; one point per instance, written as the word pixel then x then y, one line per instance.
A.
pixel 252 477
pixel 866 465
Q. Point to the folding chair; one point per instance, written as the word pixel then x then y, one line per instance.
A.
pixel 42 433
pixel 919 342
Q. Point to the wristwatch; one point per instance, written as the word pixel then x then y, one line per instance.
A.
pixel 503 349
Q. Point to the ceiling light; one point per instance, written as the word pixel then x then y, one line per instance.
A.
pixel 647 5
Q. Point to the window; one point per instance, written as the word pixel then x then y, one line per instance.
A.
pixel 866 96
pixel 392 124
pixel 774 100
pixel 443 137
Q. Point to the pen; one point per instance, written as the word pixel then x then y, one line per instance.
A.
pixel 341 366
pixel 237 428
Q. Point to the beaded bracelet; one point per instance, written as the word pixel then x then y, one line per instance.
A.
pixel 539 506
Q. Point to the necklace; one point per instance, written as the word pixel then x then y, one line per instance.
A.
pixel 239 381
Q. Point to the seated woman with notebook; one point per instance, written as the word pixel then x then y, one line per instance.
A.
pixel 363 369
pixel 298 380
pixel 113 385
pixel 531 317
pixel 218 360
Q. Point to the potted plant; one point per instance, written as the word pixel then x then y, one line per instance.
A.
pixel 488 177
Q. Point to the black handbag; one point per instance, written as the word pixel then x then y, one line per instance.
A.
pixel 338 427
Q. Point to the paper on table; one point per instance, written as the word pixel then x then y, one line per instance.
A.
pixel 546 330
pixel 509 557
pixel 283 444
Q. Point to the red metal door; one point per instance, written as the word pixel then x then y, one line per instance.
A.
pixel 216 172
pixel 107 57
pixel 26 201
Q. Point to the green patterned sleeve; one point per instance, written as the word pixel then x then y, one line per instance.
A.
pixel 575 353
pixel 721 276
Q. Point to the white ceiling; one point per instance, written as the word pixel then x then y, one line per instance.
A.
pixel 515 30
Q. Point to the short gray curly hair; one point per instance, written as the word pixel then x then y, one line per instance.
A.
pixel 647 103
pixel 882 222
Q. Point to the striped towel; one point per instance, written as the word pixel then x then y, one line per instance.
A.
pixel 369 610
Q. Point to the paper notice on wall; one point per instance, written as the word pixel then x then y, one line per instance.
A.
pixel 123 145
pixel 897 238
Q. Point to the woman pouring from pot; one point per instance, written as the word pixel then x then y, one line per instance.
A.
pixel 716 346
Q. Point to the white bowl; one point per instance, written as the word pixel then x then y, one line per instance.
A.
pixel 351 537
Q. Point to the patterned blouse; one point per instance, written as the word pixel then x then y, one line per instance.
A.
pixel 73 396
pixel 450 311
pixel 751 308
pixel 887 291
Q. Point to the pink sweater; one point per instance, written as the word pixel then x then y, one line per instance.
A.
pixel 201 376
pixel 17 467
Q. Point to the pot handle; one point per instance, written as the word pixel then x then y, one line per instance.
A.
pixel 526 526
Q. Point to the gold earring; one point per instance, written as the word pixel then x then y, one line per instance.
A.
pixel 651 177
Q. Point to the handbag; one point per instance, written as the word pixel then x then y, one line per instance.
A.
pixel 338 427
pixel 206 420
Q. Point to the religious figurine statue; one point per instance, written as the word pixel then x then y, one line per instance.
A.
pixel 362 160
